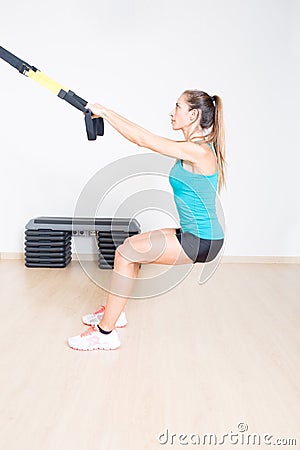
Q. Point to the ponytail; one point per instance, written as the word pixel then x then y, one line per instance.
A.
pixel 217 137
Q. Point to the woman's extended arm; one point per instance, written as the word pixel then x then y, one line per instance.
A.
pixel 138 135
pixel 129 130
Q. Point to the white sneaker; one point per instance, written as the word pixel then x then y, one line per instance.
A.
pixel 92 339
pixel 95 318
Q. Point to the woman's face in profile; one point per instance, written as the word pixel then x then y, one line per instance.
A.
pixel 180 114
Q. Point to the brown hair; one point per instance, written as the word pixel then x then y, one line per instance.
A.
pixel 211 116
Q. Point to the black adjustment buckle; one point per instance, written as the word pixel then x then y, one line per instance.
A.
pixel 61 94
pixel 24 68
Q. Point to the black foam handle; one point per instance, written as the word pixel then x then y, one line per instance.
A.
pixel 94 127
pixel 89 125
pixel 98 122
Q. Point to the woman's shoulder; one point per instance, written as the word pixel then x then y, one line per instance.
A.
pixel 206 148
pixel 204 153
pixel 206 163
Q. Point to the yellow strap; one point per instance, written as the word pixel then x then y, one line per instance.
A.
pixel 45 81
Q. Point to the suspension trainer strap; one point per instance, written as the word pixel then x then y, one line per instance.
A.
pixel 94 126
pixel 17 63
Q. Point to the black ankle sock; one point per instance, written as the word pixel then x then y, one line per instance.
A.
pixel 103 331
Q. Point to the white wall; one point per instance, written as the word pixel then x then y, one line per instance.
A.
pixel 137 57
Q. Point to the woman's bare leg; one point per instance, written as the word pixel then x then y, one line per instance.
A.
pixel 163 248
pixel 123 273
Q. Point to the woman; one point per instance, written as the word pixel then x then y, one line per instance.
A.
pixel 195 177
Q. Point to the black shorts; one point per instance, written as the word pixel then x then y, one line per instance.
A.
pixel 199 249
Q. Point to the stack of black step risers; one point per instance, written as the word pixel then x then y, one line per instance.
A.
pixel 48 240
pixel 107 243
pixel 47 248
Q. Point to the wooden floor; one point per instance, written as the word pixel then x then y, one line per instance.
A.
pixel 198 359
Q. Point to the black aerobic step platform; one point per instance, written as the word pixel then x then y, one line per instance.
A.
pixel 48 240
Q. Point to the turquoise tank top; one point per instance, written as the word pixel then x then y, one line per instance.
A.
pixel 195 199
